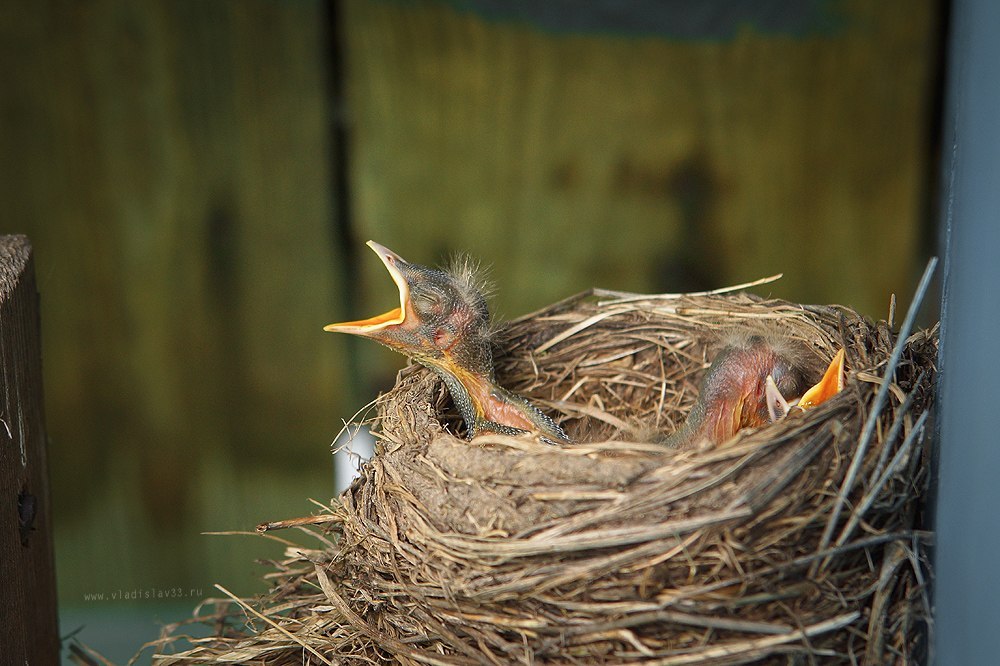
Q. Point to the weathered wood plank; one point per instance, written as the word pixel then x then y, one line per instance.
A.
pixel 28 620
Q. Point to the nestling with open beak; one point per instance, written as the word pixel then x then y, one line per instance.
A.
pixel 443 323
pixel 745 387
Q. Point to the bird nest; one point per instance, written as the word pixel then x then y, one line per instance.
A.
pixel 794 543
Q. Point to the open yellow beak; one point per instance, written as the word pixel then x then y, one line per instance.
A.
pixel 393 317
pixel 831 384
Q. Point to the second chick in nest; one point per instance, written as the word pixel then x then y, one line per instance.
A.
pixel 746 387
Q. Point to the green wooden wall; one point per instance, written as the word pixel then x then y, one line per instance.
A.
pixel 648 163
pixel 172 163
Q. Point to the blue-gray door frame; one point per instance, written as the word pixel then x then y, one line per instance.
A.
pixel 967 587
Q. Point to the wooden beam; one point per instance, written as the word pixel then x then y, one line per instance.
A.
pixel 28 620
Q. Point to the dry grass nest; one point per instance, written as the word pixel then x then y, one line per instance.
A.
pixel 796 543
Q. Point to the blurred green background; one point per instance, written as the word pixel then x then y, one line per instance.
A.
pixel 198 179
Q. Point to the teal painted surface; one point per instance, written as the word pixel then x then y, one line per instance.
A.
pixel 966 586
pixel 116 628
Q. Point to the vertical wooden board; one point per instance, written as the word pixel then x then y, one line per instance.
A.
pixel 171 160
pixel 28 625
pixel 569 160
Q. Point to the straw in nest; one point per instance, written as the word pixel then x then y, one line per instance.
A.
pixel 797 543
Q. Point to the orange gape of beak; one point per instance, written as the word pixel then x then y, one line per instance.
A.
pixel 393 317
pixel 831 384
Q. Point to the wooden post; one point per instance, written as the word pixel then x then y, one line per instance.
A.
pixel 28 620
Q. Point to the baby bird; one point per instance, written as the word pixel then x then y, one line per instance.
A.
pixel 442 322
pixel 745 388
